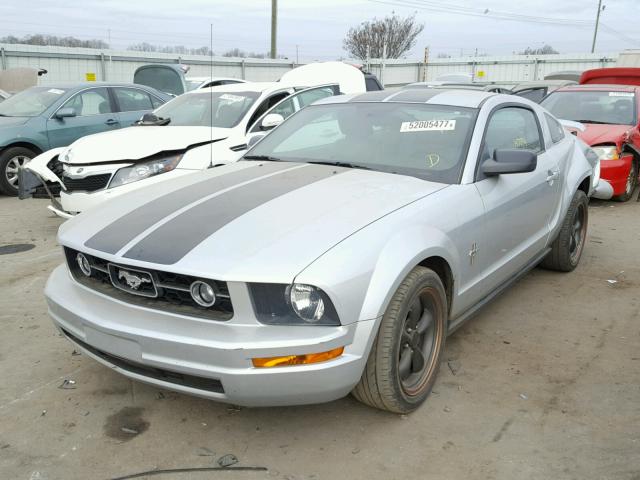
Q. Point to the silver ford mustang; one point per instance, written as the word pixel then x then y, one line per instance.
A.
pixel 335 257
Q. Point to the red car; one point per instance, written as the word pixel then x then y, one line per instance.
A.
pixel 607 102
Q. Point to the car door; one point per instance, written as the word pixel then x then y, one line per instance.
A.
pixel 132 103
pixel 94 113
pixel 518 206
pixel 295 102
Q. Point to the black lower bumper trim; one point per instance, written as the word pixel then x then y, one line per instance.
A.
pixel 192 381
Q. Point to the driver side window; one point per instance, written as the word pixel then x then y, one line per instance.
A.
pixel 511 128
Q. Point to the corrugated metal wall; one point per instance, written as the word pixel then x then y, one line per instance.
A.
pixel 72 64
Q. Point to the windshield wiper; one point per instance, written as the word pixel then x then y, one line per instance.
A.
pixel 262 157
pixel 341 164
pixel 597 122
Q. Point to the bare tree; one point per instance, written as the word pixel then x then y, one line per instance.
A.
pixel 54 41
pixel 398 33
pixel 236 52
pixel 545 50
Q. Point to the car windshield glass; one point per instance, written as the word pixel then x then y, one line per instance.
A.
pixel 31 102
pixel 593 106
pixel 425 141
pixel 199 109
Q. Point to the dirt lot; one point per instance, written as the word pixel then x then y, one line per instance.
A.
pixel 543 384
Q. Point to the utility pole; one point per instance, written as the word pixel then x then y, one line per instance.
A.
pixel 274 27
pixel 426 61
pixel 384 58
pixel 595 30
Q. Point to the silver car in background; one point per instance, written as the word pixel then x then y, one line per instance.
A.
pixel 335 257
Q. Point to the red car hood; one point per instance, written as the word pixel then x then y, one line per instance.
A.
pixel 596 133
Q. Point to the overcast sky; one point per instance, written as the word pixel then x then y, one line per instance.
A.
pixel 318 26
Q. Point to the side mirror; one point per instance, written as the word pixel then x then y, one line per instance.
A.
pixel 272 120
pixel 65 113
pixel 255 138
pixel 506 161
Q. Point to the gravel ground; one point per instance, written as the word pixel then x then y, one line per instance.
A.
pixel 543 384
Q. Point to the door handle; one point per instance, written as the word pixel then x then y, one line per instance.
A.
pixel 552 175
pixel 111 121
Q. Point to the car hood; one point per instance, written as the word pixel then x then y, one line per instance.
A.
pixel 134 143
pixel 13 121
pixel 247 221
pixel 595 134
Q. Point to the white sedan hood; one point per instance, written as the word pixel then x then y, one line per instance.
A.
pixel 133 143
pixel 248 221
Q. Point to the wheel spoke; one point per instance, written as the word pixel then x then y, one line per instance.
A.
pixel 415 311
pixel 418 360
pixel 404 366
pixel 425 322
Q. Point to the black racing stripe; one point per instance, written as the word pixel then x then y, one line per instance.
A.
pixel 117 234
pixel 173 240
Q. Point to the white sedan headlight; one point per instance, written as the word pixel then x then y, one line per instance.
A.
pixel 147 169
pixel 607 152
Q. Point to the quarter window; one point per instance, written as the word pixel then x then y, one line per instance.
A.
pixel 132 100
pixel 557 132
pixel 90 102
pixel 509 128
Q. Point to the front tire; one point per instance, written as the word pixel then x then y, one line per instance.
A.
pixel 10 160
pixel 567 248
pixel 405 356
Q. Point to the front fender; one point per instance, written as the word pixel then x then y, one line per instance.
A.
pixel 38 165
pixel 361 273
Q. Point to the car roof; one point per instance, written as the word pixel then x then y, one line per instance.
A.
pixel 603 87
pixel 78 85
pixel 242 87
pixel 434 96
pixel 543 83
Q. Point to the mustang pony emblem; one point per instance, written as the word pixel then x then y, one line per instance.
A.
pixel 133 281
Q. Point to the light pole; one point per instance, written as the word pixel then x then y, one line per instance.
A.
pixel 595 30
pixel 274 27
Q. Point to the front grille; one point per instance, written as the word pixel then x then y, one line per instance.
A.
pixel 89 183
pixel 168 291
pixel 201 383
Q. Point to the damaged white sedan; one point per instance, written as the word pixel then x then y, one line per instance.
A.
pixel 195 131
pixel 335 257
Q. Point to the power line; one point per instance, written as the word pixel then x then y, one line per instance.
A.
pixel 486 13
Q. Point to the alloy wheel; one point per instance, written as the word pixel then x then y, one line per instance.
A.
pixel 11 170
pixel 578 233
pixel 418 352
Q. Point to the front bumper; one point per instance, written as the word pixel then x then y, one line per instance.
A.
pixel 603 190
pixel 76 202
pixel 616 173
pixel 208 358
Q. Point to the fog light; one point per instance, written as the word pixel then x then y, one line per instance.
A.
pixel 202 293
pixel 297 359
pixel 83 263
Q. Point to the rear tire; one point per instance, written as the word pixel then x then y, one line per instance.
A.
pixel 10 159
pixel 405 356
pixel 567 248
pixel 632 181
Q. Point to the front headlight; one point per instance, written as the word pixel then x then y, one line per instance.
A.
pixel 147 169
pixel 297 304
pixel 607 152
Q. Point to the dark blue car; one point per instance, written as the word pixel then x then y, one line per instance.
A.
pixel 40 118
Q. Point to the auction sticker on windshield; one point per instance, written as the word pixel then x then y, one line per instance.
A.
pixel 620 94
pixel 428 126
pixel 231 98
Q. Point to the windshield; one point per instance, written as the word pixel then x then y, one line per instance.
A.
pixel 616 108
pixel 425 141
pixel 31 102
pixel 195 109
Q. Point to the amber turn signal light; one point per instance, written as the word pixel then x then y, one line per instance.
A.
pixel 297 359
